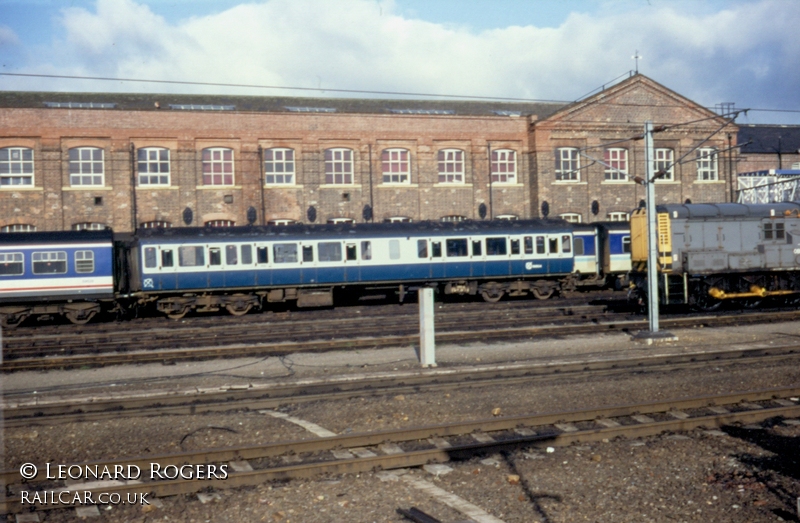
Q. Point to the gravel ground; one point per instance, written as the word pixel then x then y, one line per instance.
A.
pixel 745 474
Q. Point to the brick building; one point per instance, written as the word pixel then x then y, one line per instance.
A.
pixel 78 160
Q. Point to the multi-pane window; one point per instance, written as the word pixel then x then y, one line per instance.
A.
pixel 616 160
pixel 707 164
pixel 217 166
pixel 339 166
pixel 279 166
pixel 571 217
pixel 49 262
pixel 11 264
pixel 153 166
pixel 451 166
pixel 155 224
pixel 16 166
pixel 504 166
pixel 84 261
pixel 86 166
pixel 18 227
pixel 618 217
pixel 663 160
pixel 396 166
pixel 88 226
pixel 220 223
pixel 568 164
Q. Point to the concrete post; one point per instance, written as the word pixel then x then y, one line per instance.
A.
pixel 427 343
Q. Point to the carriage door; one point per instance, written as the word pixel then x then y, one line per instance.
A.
pixel 216 276
pixel 351 272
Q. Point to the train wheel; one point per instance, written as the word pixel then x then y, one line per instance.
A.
pixel 238 309
pixel 492 292
pixel 706 303
pixel 79 317
pixel 178 314
pixel 543 293
pixel 12 320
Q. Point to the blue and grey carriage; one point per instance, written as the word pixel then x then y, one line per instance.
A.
pixel 240 269
pixel 55 273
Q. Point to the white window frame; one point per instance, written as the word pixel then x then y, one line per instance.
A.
pixel 85 168
pixel 663 158
pixel 571 217
pixel 617 160
pixel 619 217
pixel 396 166
pixel 213 158
pixel 157 169
pixel 279 166
pixel 16 167
pixel 220 223
pixel 504 166
pixel 451 166
pixel 707 165
pixel 84 261
pixel 18 227
pixel 88 226
pixel 568 164
pixel 155 224
pixel 339 166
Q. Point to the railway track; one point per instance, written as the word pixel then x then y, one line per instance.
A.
pixel 255 397
pixel 386 450
pixel 363 332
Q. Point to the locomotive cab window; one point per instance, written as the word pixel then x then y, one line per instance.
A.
pixel 49 262
pixel 284 253
pixel 496 247
pixel 167 259
pixel 774 231
pixel 456 247
pixel 11 264
pixel 84 261
pixel 329 251
pixel 191 256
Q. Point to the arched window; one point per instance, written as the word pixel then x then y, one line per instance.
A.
pixel 453 218
pixel 279 166
pixel 451 166
pixel 86 166
pixel 88 226
pixel 18 227
pixel 153 166
pixel 220 223
pixel 396 165
pixel 508 217
pixel 16 166
pixel 571 217
pixel 217 166
pixel 504 166
pixel 397 219
pixel 156 224
pixel 341 220
pixel 339 166
pixel 618 217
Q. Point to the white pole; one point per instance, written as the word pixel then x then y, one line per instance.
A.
pixel 427 343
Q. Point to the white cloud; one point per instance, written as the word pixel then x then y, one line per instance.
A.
pixel 8 37
pixel 745 53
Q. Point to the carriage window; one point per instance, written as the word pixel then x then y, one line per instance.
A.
pixel 394 249
pixel 231 255
pixel 626 244
pixel 528 244
pixel 540 245
pixel 329 251
pixel 422 248
pixel 262 255
pixel 11 264
pixel 553 245
pixel 496 246
pixel 308 253
pixel 247 255
pixel 84 261
pixel 514 246
pixel 436 248
pixel 50 262
pixel 476 248
pixel 166 258
pixel 284 253
pixel 366 250
pixel 149 257
pixel 566 244
pixel 191 256
pixel 578 246
pixel 456 247
pixel 214 256
pixel 350 251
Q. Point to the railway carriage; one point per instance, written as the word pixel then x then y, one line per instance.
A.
pixel 602 253
pixel 250 267
pixel 58 273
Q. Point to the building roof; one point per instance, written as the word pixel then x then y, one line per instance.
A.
pixel 770 139
pixel 271 104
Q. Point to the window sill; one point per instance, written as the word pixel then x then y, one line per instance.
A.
pixel 618 182
pixel 709 182
pixel 454 185
pixel 282 186
pixel 667 182
pixel 13 188
pixel 157 188
pixel 340 186
pixel 399 185
pixel 88 188
pixel 504 184
pixel 568 182
pixel 218 187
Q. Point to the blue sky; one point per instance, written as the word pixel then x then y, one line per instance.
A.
pixel 711 51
